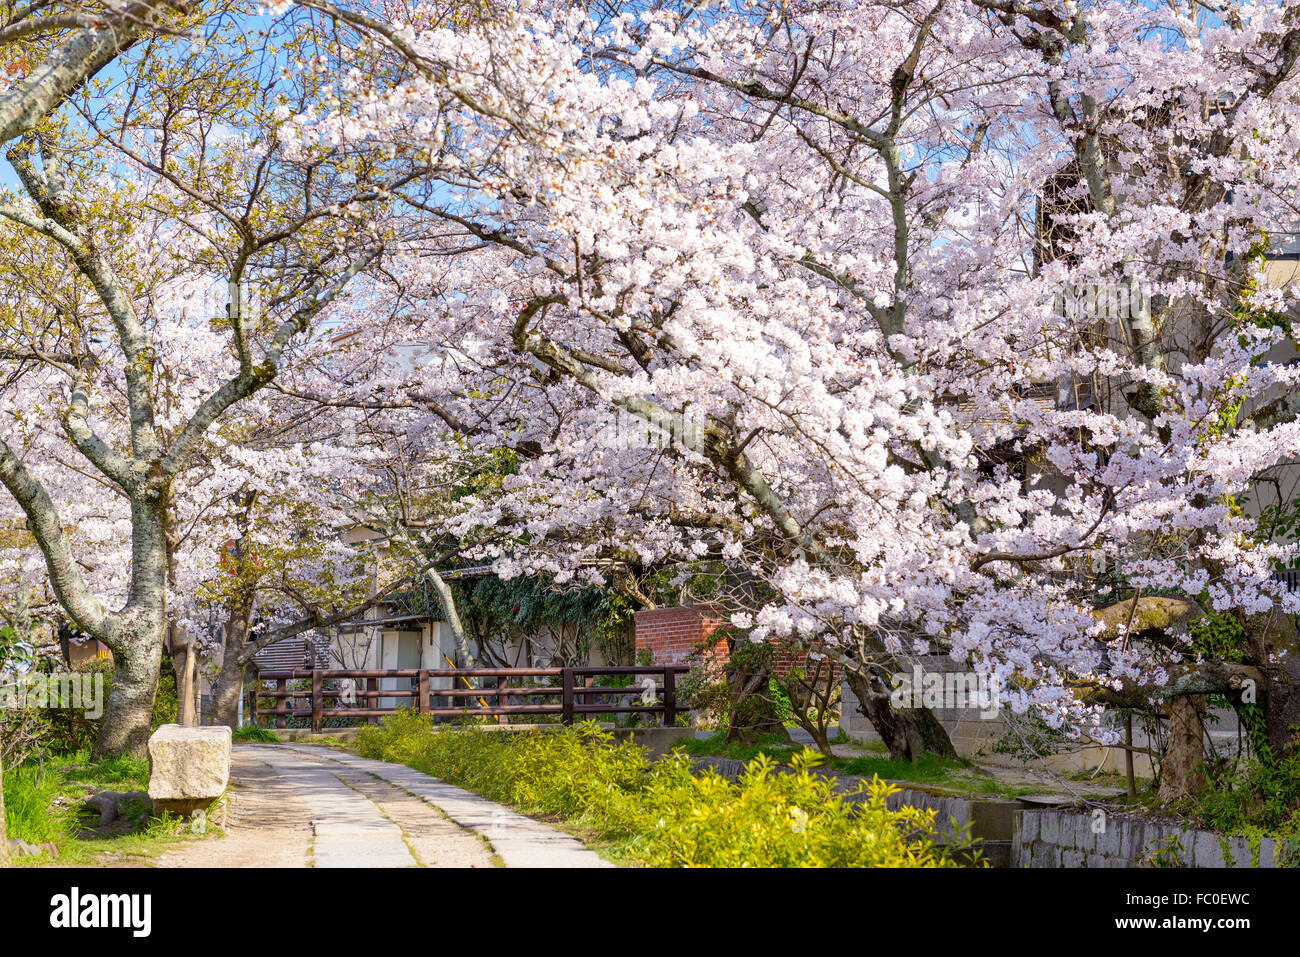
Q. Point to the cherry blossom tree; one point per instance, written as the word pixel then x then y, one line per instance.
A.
pixel 174 176
pixel 835 252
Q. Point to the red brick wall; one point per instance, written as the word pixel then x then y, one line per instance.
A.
pixel 788 656
pixel 671 634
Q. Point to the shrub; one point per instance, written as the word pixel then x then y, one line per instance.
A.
pixel 23 732
pixel 1254 797
pixel 664 813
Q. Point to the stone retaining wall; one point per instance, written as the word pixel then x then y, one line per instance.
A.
pixel 1070 838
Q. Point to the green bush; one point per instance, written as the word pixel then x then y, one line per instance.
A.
pixel 1252 797
pixel 664 813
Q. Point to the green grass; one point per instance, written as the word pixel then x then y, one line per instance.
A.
pixel 256 734
pixel 43 805
pixel 927 769
pixel 770 745
pixel 111 774
pixel 29 812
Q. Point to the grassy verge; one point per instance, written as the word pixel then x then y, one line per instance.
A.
pixel 664 813
pixel 45 805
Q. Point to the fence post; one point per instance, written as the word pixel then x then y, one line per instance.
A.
pixel 566 695
pixel 422 692
pixel 372 684
pixel 281 702
pixel 317 686
pixel 670 696
pixel 502 699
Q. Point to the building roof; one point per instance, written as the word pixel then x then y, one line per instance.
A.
pixel 293 653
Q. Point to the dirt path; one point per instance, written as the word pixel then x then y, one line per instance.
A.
pixel 266 824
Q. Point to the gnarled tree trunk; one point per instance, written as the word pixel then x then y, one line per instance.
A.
pixel 1182 773
pixel 907 732
pixel 230 679
pixel 752 713
pixel 136 667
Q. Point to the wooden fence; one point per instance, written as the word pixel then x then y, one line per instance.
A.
pixel 496 692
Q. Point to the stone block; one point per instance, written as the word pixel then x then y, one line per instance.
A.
pixel 1029 826
pixel 189 768
pixel 1049 827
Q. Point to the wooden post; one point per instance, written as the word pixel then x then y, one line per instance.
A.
pixel 281 702
pixel 316 703
pixel 566 695
pixel 186 692
pixel 422 692
pixel 372 684
pixel 670 697
pixel 1130 781
pixel 501 697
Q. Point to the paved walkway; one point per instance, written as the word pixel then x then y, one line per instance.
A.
pixel 299 805
pixel 518 840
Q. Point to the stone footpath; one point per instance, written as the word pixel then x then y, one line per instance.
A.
pixel 299 806
pixel 518 840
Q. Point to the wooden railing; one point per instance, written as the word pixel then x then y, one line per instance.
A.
pixel 496 688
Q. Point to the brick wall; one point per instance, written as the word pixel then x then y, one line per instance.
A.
pixel 671 634
pixel 788 656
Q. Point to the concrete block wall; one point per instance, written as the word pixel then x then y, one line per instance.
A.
pixel 1072 838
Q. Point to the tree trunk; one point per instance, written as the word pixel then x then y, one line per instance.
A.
pixel 226 695
pixel 907 732
pixel 138 635
pixel 1281 700
pixel 230 680
pixel 137 662
pixel 751 711
pixel 1182 774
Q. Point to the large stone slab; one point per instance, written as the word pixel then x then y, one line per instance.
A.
pixel 189 768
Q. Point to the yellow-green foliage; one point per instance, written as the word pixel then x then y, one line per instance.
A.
pixel 664 813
